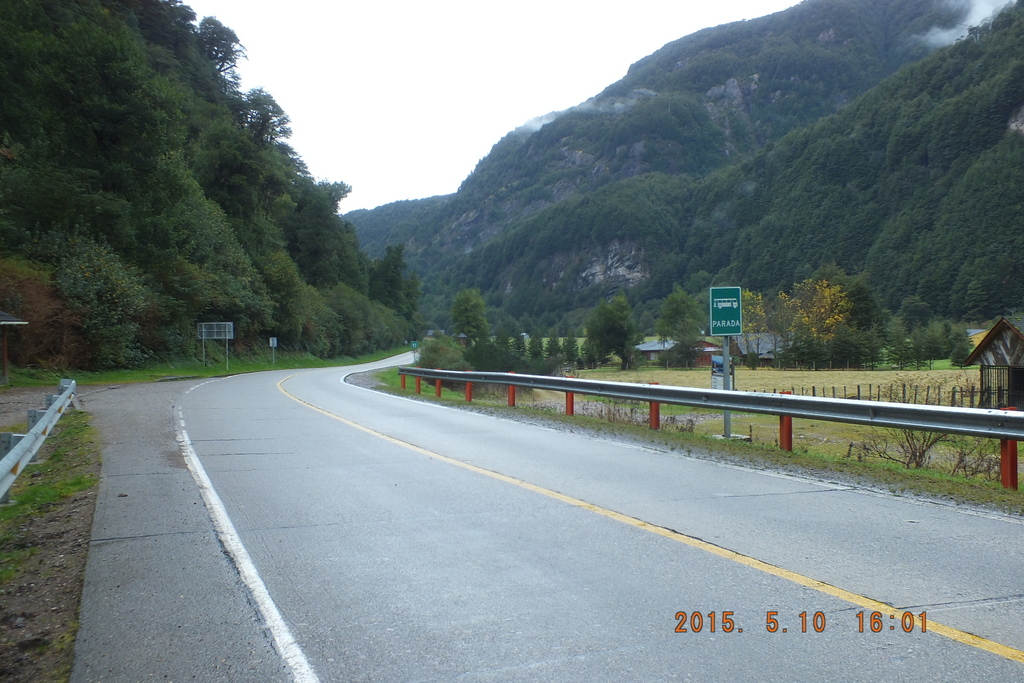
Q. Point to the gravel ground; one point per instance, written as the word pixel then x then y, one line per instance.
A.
pixel 15 403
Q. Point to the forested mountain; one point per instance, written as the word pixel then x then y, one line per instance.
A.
pixel 917 185
pixel 751 153
pixel 142 191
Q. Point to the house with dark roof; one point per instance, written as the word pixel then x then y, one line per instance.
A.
pixel 766 345
pixel 652 349
pixel 703 350
pixel 1001 356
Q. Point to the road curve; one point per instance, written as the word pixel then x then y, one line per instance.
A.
pixel 400 540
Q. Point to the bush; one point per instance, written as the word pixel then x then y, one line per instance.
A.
pixel 442 353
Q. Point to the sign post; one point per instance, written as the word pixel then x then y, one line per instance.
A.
pixel 225 331
pixel 273 350
pixel 726 322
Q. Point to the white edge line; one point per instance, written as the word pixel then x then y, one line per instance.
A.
pixel 289 649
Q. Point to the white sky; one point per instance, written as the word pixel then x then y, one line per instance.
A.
pixel 400 99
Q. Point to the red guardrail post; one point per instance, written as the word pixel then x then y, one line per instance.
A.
pixel 437 388
pixel 655 414
pixel 469 392
pixel 786 430
pixel 1008 461
pixel 570 403
pixel 511 394
pixel 403 380
pixel 418 381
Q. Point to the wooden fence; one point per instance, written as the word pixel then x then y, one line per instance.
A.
pixel 961 397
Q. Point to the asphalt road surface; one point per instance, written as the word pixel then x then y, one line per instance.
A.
pixel 316 530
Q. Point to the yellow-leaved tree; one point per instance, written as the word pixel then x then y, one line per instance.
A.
pixel 817 311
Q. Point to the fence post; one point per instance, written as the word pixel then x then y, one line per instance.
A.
pixel 8 440
pixel 469 392
pixel 511 394
pixel 786 430
pixel 570 403
pixel 1008 461
pixel 655 414
pixel 418 381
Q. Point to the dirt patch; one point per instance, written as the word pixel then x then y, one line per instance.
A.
pixel 45 547
pixel 39 608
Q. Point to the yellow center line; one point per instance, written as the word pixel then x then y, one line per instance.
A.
pixel 820 586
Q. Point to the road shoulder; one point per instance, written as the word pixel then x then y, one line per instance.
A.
pixel 161 599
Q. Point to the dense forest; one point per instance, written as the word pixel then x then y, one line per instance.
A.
pixel 143 191
pixel 753 154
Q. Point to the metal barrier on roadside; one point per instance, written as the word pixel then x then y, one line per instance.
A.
pixel 1005 425
pixel 18 450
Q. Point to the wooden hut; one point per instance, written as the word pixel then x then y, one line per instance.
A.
pixel 1001 356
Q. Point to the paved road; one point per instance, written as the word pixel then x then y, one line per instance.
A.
pixel 398 540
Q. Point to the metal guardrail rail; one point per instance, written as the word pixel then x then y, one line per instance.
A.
pixel 17 450
pixel 990 423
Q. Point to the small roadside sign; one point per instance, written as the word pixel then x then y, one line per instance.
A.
pixel 726 311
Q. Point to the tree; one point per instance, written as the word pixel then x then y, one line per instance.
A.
pixel 898 350
pixel 612 329
pixel 469 315
pixel 960 348
pixel 680 320
pixel 571 349
pixel 442 353
pixel 817 311
pixel 518 345
pixel 535 348
pixel 915 312
pixel 554 347
pixel 264 118
pixel 386 281
pixel 220 45
pixel 755 329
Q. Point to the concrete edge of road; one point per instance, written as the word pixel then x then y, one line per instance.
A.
pixel 284 641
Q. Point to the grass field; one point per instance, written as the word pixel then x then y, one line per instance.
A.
pixel 831 438
pixel 822 382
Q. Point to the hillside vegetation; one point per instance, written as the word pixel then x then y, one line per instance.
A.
pixel 754 154
pixel 142 191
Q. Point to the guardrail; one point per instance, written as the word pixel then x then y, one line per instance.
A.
pixel 1005 425
pixel 18 450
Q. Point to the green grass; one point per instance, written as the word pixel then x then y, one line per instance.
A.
pixel 74 447
pixel 192 367
pixel 830 461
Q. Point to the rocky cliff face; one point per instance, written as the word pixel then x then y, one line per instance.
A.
pixel 621 265
pixel 611 267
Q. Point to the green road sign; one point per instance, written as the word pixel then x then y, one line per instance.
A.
pixel 726 311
